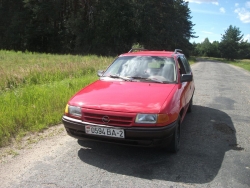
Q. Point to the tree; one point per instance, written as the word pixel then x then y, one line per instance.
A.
pixel 230 43
pixel 113 27
pixel 13 18
pixel 164 24
pixel 244 51
pixel 215 49
pixel 206 47
pixel 93 26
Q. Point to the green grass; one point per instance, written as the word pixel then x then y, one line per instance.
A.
pixel 191 60
pixel 34 88
pixel 18 69
pixel 36 107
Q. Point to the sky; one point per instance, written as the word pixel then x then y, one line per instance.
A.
pixel 213 17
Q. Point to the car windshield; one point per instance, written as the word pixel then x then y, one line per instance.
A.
pixel 144 68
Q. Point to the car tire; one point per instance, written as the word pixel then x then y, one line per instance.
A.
pixel 175 143
pixel 190 105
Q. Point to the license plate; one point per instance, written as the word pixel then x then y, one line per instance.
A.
pixel 104 131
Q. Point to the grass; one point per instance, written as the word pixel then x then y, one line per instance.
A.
pixel 34 88
pixel 192 60
pixel 17 68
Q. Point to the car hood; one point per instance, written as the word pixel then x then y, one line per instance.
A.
pixel 122 96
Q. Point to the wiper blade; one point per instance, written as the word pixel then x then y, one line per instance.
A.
pixel 137 77
pixel 120 77
pixel 148 79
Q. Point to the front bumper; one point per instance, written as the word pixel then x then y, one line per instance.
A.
pixel 137 136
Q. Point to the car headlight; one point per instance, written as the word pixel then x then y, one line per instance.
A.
pixel 146 118
pixel 73 111
pixel 152 118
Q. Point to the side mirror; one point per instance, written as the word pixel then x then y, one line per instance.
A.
pixel 100 73
pixel 186 77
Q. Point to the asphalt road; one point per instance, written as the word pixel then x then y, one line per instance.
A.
pixel 215 147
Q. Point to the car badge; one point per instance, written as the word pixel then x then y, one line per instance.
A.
pixel 105 119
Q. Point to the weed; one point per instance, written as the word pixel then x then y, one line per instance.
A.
pixel 12 152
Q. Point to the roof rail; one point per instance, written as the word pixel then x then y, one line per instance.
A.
pixel 177 50
pixel 137 49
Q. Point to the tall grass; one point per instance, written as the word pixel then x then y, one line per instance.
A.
pixel 34 88
pixel 18 69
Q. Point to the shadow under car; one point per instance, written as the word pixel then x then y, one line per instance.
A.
pixel 206 135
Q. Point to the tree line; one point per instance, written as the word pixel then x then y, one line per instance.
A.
pixel 232 46
pixel 94 26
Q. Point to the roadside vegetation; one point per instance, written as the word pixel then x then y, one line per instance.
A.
pixel 192 60
pixel 231 47
pixel 34 88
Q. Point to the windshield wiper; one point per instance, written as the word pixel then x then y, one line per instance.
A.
pixel 130 78
pixel 148 79
pixel 120 77
pixel 137 77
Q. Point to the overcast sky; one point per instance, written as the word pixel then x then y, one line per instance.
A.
pixel 213 17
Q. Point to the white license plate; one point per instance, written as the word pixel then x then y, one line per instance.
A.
pixel 104 131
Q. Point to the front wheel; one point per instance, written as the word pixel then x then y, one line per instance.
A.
pixel 175 144
pixel 190 105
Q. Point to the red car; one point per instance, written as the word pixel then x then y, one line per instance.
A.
pixel 141 99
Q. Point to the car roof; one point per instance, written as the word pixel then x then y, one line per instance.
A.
pixel 144 52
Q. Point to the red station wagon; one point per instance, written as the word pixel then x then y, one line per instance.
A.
pixel 141 99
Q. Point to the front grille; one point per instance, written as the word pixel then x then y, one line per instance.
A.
pixel 113 119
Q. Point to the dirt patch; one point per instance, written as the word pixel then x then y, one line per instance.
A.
pixel 28 142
